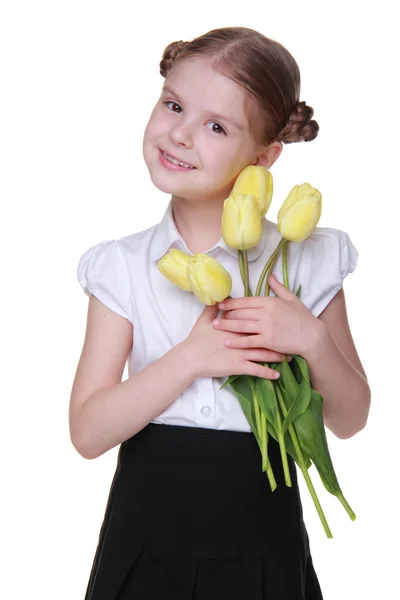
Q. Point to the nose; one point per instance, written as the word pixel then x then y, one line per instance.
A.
pixel 181 135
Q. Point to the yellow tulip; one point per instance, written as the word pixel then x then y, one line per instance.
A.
pixel 173 266
pixel 300 213
pixel 241 222
pixel 256 181
pixel 210 281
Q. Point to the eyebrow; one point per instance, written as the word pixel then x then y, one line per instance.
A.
pixel 214 115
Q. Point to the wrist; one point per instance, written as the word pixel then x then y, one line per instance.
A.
pixel 318 336
pixel 188 359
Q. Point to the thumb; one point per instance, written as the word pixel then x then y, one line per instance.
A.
pixel 278 288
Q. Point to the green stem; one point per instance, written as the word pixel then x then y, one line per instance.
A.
pixel 266 462
pixel 257 413
pixel 240 257
pixel 302 464
pixel 267 286
pixel 282 447
pixel 261 425
pixel 271 259
pixel 264 446
pixel 285 278
pixel 282 443
pixel 244 271
pixel 281 438
pixel 285 464
pixel 284 269
pixel 284 247
pixel 246 274
pixel 347 506
pixel 284 265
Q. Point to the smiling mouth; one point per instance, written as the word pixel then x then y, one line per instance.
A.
pixel 175 161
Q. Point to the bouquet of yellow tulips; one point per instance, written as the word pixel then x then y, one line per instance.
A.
pixel 288 408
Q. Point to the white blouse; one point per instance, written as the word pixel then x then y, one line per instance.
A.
pixel 123 274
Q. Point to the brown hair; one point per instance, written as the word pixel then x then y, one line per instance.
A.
pixel 264 68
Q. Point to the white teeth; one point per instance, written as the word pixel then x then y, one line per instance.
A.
pixel 177 162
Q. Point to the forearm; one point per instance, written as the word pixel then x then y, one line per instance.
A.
pixel 112 415
pixel 345 391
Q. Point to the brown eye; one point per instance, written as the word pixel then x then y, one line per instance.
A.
pixel 174 104
pixel 218 126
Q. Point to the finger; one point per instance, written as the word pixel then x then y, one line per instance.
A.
pixel 249 314
pixel 260 371
pixel 244 302
pixel 236 326
pixel 245 341
pixel 263 355
pixel 279 289
pixel 253 342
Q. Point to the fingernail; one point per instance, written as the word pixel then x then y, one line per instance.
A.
pixel 216 322
pixel 288 357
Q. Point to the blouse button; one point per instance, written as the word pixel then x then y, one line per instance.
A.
pixel 205 411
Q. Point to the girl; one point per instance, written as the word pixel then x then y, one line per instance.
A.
pixel 190 514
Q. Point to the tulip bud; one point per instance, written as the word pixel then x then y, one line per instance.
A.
pixel 300 213
pixel 173 266
pixel 241 222
pixel 210 281
pixel 256 181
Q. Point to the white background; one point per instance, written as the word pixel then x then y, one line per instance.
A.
pixel 79 80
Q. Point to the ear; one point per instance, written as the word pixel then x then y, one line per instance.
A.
pixel 269 155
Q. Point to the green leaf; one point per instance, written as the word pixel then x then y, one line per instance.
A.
pixel 289 446
pixel 298 291
pixel 300 368
pixel 286 398
pixel 242 390
pixel 267 400
pixel 271 430
pixel 289 381
pixel 299 406
pixel 298 375
pixel 229 380
pixel 311 431
pixel 287 401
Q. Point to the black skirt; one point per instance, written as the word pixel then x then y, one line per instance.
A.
pixel 191 516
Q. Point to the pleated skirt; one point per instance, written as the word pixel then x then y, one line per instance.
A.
pixel 191 516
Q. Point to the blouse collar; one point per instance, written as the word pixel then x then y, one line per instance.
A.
pixel 167 236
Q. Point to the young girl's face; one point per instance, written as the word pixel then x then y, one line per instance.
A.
pixel 200 119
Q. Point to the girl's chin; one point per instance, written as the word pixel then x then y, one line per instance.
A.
pixel 168 183
pixel 166 187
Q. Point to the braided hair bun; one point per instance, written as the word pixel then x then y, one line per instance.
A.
pixel 171 52
pixel 300 127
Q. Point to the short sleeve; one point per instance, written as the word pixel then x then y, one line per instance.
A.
pixel 328 257
pixel 103 272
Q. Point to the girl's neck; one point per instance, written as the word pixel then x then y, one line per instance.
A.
pixel 199 224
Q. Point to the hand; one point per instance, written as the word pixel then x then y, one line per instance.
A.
pixel 281 322
pixel 209 357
